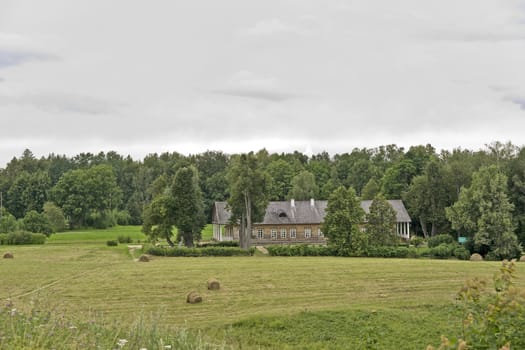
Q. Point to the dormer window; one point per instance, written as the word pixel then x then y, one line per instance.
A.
pixel 282 214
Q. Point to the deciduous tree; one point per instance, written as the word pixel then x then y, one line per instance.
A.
pixel 341 225
pixel 303 186
pixel 483 213
pixel 248 200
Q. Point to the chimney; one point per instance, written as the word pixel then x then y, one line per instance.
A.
pixel 292 203
pixel 312 202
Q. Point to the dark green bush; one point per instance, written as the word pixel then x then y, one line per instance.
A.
pixel 220 244
pixel 301 250
pixel 442 251
pixel 124 239
pixel 22 237
pixel 417 241
pixel 112 243
pixel 196 252
pixel 440 239
pixel 38 238
pixel 462 253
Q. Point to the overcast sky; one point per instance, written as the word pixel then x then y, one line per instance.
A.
pixel 234 75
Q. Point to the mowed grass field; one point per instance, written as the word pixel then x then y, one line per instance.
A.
pixel 264 302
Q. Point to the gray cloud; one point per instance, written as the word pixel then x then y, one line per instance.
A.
pixel 248 84
pixel 275 96
pixel 53 102
pixel 14 58
pixel 518 100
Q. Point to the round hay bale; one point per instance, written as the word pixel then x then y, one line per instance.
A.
pixel 143 258
pixel 8 255
pixel 213 284
pixel 193 298
pixel 476 257
pixel 522 259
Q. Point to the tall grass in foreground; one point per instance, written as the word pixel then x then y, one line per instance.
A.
pixel 39 328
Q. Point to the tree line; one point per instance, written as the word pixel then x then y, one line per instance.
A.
pixel 461 191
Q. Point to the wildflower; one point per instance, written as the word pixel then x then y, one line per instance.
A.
pixel 12 312
pixel 121 342
pixel 143 349
pixel 167 346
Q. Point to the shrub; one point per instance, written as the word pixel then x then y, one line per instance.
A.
pixel 196 252
pixel 124 239
pixel 442 251
pixel 491 319
pixel 301 250
pixel 417 241
pixel 112 243
pixel 461 253
pixel 22 237
pixel 3 238
pixel 440 239
pixel 220 244
pixel 38 238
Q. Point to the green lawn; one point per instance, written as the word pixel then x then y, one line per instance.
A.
pixel 264 302
pixel 97 236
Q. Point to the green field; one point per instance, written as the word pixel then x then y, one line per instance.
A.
pixel 264 302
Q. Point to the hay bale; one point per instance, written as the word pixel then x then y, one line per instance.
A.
pixel 476 257
pixel 213 284
pixel 143 258
pixel 522 259
pixel 193 298
pixel 8 255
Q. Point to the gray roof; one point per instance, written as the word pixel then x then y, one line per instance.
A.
pixel 302 212
pixel 397 204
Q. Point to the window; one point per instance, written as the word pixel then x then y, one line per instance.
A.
pixel 260 233
pixel 283 233
pixel 274 233
pixel 320 233
pixel 293 233
pixel 307 232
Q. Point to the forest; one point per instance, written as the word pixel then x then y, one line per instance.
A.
pixel 444 191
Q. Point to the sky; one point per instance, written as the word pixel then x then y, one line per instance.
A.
pixel 139 77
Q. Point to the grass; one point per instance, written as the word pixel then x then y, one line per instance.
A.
pixel 97 236
pixel 264 302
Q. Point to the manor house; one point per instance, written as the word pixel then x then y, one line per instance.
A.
pixel 293 222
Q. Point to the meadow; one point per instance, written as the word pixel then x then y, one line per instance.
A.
pixel 264 302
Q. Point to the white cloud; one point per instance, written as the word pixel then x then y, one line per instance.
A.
pixel 272 26
pixel 248 84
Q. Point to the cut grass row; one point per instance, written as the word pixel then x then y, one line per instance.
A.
pixel 264 301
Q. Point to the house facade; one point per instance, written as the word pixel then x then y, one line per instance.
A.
pixel 293 222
